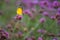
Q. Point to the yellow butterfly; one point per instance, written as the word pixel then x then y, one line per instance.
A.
pixel 19 11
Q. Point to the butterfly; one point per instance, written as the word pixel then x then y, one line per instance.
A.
pixel 19 11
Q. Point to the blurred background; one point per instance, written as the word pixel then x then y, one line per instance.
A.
pixel 33 21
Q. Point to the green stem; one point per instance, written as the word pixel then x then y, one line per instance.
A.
pixel 32 30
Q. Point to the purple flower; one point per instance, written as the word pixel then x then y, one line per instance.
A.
pixel 45 13
pixel 50 5
pixel 27 3
pixel 40 38
pixel 34 1
pixel 33 10
pixel 58 16
pixel 28 38
pixel 55 4
pixel 41 31
pixel 18 17
pixel 52 17
pixel 28 12
pixel 33 37
pixel 44 0
pixel 54 39
pixel 43 3
pixel 59 10
pixel 3 34
pixel 20 34
pixel 42 20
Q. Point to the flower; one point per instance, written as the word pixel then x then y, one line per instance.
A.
pixel 40 38
pixel 28 38
pixel 18 17
pixel 55 4
pixel 4 34
pixel 28 12
pixel 59 10
pixel 35 2
pixel 19 34
pixel 33 10
pixel 58 16
pixel 43 4
pixel 42 20
pixel 45 13
pixel 33 37
pixel 41 31
pixel 27 3
pixel 52 17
